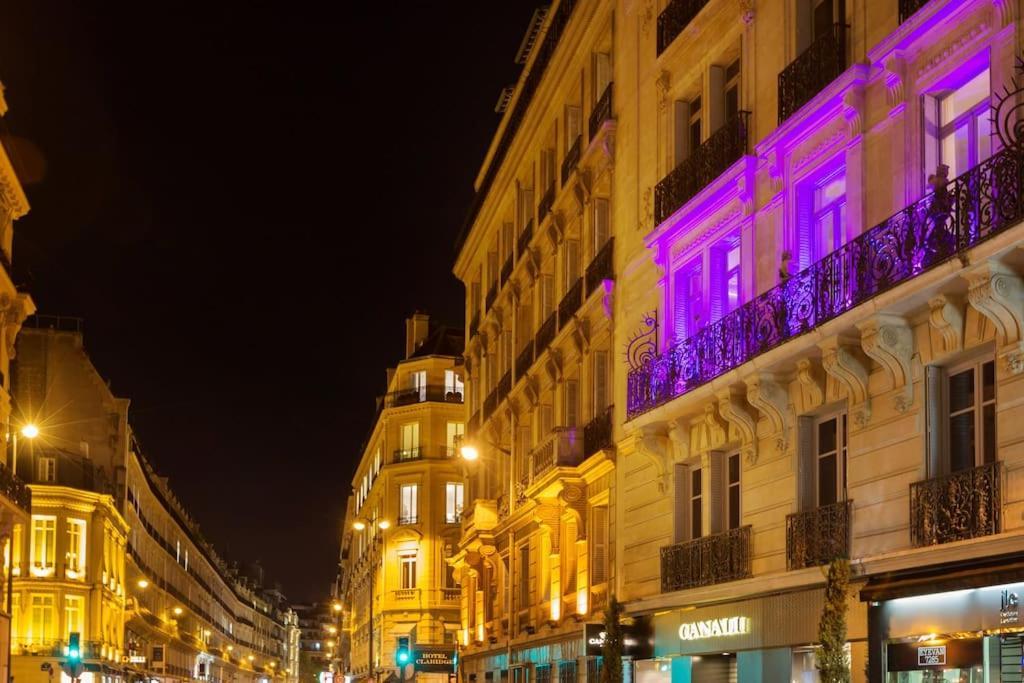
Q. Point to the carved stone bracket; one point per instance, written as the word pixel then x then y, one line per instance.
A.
pixel 735 410
pixel 531 391
pixel 679 436
pixel 549 517
pixel 841 359
pixel 553 366
pixel 811 382
pixel 573 497
pixel 532 264
pixel 652 443
pixel 889 341
pixel 1006 11
pixel 768 394
pixel 714 431
pixel 582 187
pixel 580 334
pixel 556 230
pixel 998 294
pixel 895 80
pixel 946 324
pixel 853 110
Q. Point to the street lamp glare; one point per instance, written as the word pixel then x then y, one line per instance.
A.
pixel 384 524
pixel 359 526
pixel 30 431
pixel 337 607
pixel 469 452
pixel 143 583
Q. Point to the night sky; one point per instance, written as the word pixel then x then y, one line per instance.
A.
pixel 244 201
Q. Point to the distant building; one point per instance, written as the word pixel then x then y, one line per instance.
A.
pixel 407 503
pixel 317 644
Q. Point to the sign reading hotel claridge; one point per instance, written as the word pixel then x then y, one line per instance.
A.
pixel 714 628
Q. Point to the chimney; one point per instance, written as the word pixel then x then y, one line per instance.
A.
pixel 416 329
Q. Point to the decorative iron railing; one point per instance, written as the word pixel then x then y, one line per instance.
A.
pixel 972 208
pixel 676 16
pixel 506 270
pixel 429 393
pixel 572 159
pixel 545 334
pixel 407 454
pixel 957 506
pixel 404 520
pixel 601 268
pixel 15 490
pixel 546 202
pixel 492 295
pixel 702 167
pixel 570 303
pixel 490 403
pixel 562 448
pixel 602 111
pixel 908 7
pixel 524 360
pixel 474 423
pixel 597 434
pixel 816 67
pixel 504 386
pixel 816 537
pixel 707 560
pixel 523 241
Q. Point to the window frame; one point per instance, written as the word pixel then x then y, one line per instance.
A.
pixel 408 510
pixel 977 365
pixel 407 571
pixel 730 485
pixel 841 453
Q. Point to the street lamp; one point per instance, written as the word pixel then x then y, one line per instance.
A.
pixel 469 451
pixel 29 431
pixel 360 525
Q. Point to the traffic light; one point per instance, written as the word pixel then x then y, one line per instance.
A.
pixel 72 664
pixel 402 655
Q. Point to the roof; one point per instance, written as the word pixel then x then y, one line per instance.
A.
pixel 442 340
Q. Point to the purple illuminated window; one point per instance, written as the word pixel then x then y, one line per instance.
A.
pixel 688 309
pixel 820 217
pixel 964 127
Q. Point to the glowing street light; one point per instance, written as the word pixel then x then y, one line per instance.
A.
pixel 337 608
pixel 332 629
pixel 143 583
pixel 178 611
pixel 469 452
pixel 30 431
pixel 359 525
pixel 384 524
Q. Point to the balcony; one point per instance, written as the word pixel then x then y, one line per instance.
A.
pixel 706 561
pixel 975 206
pixel 405 520
pixel 490 404
pixel 15 490
pixel 506 270
pixel 524 360
pixel 450 594
pixel 562 448
pixel 523 241
pixel 437 393
pixel 546 202
pixel 597 435
pixel 674 19
pixel 504 387
pixel 601 268
pixel 492 295
pixel 957 506
pixel 602 111
pixel 474 324
pixel 403 594
pixel 807 75
pixel 908 7
pixel 702 167
pixel 407 454
pixel 570 303
pixel 572 159
pixel 816 537
pixel 545 334
pixel 474 423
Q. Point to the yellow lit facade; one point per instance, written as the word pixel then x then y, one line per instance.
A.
pixel 405 510
pixel 535 558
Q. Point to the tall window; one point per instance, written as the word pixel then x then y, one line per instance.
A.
pixel 696 503
pixel 44 543
pixel 418 381
pixel 687 311
pixel 725 276
pixel 74 614
pixel 17 540
pixel 964 125
pixel 732 492
pixel 572 266
pixel 602 230
pixel 47 469
pixel 453 503
pixel 408 571
pixel 410 441
pixel 732 90
pixel 524 576
pixel 600 382
pixel 821 217
pixel 571 401
pixel 408 514
pixel 694 125
pixel 971 395
pixel 42 624
pixel 76 548
pixel 830 461
pixel 453 388
pixel 599 545
pixel 454 431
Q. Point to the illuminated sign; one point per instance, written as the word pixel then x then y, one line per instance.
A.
pixel 931 656
pixel 431 659
pixel 714 628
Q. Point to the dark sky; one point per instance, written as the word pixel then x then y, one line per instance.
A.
pixel 244 201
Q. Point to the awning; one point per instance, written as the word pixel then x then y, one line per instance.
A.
pixel 942 578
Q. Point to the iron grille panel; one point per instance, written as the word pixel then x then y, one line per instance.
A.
pixel 957 506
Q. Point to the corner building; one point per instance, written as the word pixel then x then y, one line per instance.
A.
pixel 109 550
pixel 822 309
pixel 534 560
pixel 403 518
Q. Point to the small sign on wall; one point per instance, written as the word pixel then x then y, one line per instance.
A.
pixel 931 656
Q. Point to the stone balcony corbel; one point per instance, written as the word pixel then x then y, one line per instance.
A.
pixel 841 359
pixel 679 437
pixel 531 391
pixel 579 331
pixel 573 498
pixel 736 411
pixel 713 431
pixel 945 326
pixel 556 230
pixel 581 189
pixel 652 442
pixel 548 517
pixel 888 340
pixel 768 393
pixel 997 292
pixel 812 384
pixel 553 366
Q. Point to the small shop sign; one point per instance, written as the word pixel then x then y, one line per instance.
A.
pixel 934 655
pixel 714 628
pixel 432 659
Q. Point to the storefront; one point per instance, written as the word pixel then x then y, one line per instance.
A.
pixel 971 635
pixel 768 638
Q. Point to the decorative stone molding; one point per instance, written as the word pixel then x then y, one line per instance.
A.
pixel 583 187
pixel 946 324
pixel 768 394
pixel 997 292
pixel 773 163
pixel 840 359
pixel 735 411
pixel 746 11
pixel 888 340
pixel 647 17
pixel 532 264
pixel 556 230
pixel 853 110
pixel 895 80
pixel 1006 11
pixel 549 518
pixel 664 84
pixel 652 443
pixel 608 144
pixel 553 366
pixel 679 435
pixel 573 498
pixel 745 187
pixel 531 391
pixel 811 383
pixel 579 333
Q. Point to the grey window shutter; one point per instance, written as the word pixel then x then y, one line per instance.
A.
pixel 681 504
pixel 806 460
pixel 935 420
pixel 716 493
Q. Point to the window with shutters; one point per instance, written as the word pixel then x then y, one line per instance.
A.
pixel 545 422
pixel 599 545
pixel 688 300
pixel 688 116
pixel 820 216
pixel 546 293
pixel 733 518
pixel 962 416
pixel 600 382
pixel 572 264
pixel 696 507
pixel 408 571
pixel 707 286
pixel 601 230
pixel 524 576
pixel 571 398
pixel 823 455
pixel 573 120
pixel 732 90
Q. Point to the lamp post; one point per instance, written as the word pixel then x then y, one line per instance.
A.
pixel 29 431
pixel 378 540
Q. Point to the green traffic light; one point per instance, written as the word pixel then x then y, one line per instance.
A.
pixel 402 656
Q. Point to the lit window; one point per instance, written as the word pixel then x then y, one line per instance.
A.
pixel 42 625
pixel 688 309
pixel 418 380
pixel 964 125
pixel 453 503
pixel 453 434
pixel 408 571
pixel 410 440
pixel 74 614
pixel 76 549
pixel 453 386
pixel 409 504
pixel 820 217
pixel 44 544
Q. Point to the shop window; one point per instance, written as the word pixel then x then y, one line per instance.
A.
pixel 962 410
pixel 820 216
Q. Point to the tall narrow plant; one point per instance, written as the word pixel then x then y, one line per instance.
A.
pixel 611 650
pixel 831 652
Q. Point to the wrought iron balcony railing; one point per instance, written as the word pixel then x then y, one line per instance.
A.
pixel 492 295
pixel 973 207
pixel 474 324
pixel 702 167
pixel 816 67
pixel 570 303
pixel 506 270
pixel 545 334
pixel 524 360
pixel 546 202
pixel 572 159
pixel 490 404
pixel 504 386
pixel 561 448
pixel 706 561
pixel 601 268
pixel 404 520
pixel 474 423
pixel 602 111
pixel 438 393
pixel 957 506
pixel 408 454
pixel 908 7
pixel 15 490
pixel 676 16
pixel 597 435
pixel 523 241
pixel 816 537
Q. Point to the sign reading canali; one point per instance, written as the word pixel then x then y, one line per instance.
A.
pixel 714 628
